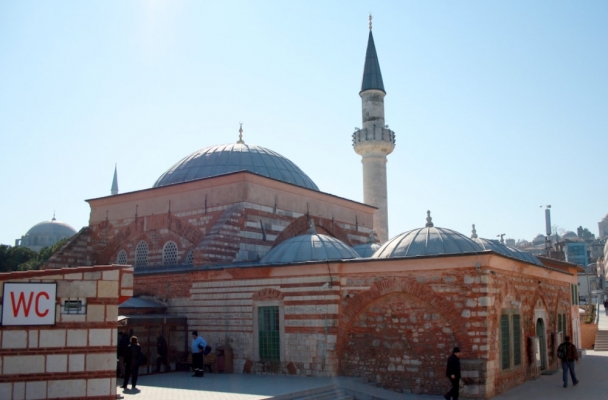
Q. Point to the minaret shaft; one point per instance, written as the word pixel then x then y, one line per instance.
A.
pixel 374 141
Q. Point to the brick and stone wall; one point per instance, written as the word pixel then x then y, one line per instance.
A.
pixel 76 357
pixel 392 322
pixel 234 218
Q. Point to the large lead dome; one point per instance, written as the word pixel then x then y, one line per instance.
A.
pixel 226 158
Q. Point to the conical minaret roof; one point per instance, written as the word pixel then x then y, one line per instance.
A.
pixel 115 182
pixel 372 77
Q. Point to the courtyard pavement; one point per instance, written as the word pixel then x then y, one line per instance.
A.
pixel 592 372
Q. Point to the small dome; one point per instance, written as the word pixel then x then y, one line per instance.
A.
pixel 525 256
pixel 46 233
pixel 366 250
pixel 508 251
pixel 226 158
pixel 427 241
pixel 309 247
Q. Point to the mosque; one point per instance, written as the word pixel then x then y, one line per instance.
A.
pixel 45 234
pixel 242 243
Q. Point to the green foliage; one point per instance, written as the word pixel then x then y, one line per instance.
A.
pixel 11 257
pixel 23 259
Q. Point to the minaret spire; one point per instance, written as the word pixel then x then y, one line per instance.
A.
pixel 374 141
pixel 115 181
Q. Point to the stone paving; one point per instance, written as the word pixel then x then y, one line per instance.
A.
pixel 592 372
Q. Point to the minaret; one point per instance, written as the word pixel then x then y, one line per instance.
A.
pixel 115 182
pixel 374 141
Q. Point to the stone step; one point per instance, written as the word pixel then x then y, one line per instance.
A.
pixel 331 392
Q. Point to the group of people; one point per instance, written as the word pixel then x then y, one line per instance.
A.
pixel 130 357
pixel 567 353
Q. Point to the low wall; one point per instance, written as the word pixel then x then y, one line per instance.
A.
pixel 73 356
pixel 588 332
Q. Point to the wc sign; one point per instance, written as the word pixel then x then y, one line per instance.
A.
pixel 29 303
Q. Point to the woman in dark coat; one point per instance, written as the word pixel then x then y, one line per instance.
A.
pixel 132 360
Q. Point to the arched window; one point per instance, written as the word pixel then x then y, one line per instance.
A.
pixel 190 257
pixel 141 254
pixel 170 254
pixel 122 258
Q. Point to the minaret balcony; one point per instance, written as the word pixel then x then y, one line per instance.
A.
pixel 375 139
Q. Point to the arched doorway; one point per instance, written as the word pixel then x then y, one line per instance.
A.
pixel 542 343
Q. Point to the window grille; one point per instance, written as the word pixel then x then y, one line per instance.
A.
pixel 505 342
pixel 170 254
pixel 269 339
pixel 190 257
pixel 516 339
pixel 122 258
pixel 141 254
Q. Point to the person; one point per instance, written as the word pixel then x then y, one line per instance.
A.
pixel 132 360
pixel 120 356
pixel 162 350
pixel 123 343
pixel 570 355
pixel 198 345
pixel 606 305
pixel 453 374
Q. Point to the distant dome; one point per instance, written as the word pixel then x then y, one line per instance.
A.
pixel 538 240
pixel 571 236
pixel 226 158
pixel 508 251
pixel 427 241
pixel 46 233
pixel 309 247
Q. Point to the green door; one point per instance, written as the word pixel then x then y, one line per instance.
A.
pixel 269 342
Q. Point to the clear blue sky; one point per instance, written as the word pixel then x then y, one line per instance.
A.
pixel 498 107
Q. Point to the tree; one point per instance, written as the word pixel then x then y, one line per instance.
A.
pixel 12 257
pixel 42 257
pixel 584 234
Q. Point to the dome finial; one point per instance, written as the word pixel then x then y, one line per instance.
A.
pixel 240 141
pixel 311 227
pixel 429 220
pixel 370 21
pixel 53 216
pixel 474 233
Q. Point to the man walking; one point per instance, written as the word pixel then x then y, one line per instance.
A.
pixel 568 353
pixel 162 352
pixel 198 345
pixel 453 374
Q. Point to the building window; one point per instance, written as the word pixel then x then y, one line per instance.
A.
pixel 561 323
pixel 122 258
pixel 268 334
pixel 574 294
pixel 190 257
pixel 170 254
pixel 141 254
pixel 510 339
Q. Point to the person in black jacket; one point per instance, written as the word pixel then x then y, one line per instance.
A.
pixel 162 352
pixel 132 360
pixel 453 374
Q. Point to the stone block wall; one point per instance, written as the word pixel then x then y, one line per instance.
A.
pixel 76 357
